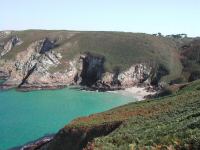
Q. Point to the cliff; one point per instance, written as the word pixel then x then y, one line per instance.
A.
pixel 42 59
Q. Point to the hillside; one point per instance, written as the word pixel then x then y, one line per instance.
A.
pixel 44 59
pixel 117 47
pixel 170 122
pixel 104 57
pixel 190 53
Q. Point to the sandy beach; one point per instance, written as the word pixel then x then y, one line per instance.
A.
pixel 137 92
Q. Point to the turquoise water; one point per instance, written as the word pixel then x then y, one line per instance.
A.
pixel 1 81
pixel 26 116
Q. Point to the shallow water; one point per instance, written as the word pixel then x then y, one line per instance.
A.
pixel 26 116
pixel 1 81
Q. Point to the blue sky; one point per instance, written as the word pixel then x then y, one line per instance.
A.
pixel 149 16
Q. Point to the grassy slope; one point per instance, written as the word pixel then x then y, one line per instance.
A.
pixel 172 121
pixel 29 36
pixel 120 49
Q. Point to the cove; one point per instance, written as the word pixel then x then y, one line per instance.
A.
pixel 27 116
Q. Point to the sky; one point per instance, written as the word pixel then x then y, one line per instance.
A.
pixel 147 16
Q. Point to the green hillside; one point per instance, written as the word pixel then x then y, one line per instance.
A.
pixel 120 49
pixel 171 122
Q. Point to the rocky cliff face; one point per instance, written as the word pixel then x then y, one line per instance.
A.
pixel 32 68
pixel 3 75
pixel 14 41
pixel 92 69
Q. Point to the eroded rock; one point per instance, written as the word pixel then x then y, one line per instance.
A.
pixel 93 68
pixel 32 70
pixel 14 41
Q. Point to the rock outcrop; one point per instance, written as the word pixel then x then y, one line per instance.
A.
pixel 36 144
pixel 4 34
pixel 14 41
pixel 77 138
pixel 140 73
pixel 92 70
pixel 3 75
pixel 31 70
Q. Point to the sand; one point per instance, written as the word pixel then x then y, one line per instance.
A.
pixel 137 92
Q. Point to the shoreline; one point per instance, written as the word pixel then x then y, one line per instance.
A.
pixel 136 92
pixel 139 93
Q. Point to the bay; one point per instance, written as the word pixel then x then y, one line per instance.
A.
pixel 26 116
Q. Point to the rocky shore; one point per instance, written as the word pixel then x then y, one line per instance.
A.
pixel 35 144
pixel 75 138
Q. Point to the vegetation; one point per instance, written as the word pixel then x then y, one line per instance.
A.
pixel 177 36
pixel 191 60
pixel 171 122
pixel 120 49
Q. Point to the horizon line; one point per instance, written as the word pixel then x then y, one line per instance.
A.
pixel 92 31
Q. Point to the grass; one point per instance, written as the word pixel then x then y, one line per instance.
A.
pixel 171 122
pixel 30 36
pixel 120 49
